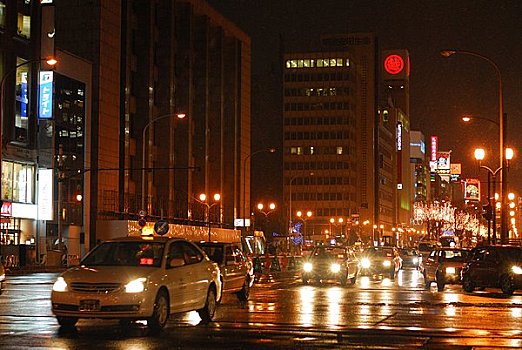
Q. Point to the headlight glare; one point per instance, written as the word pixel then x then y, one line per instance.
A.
pixel 450 270
pixel 517 270
pixel 307 267
pixel 365 263
pixel 415 260
pixel 136 286
pixel 60 285
pixel 335 268
pixel 386 263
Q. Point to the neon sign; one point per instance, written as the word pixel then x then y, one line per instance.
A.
pixel 394 64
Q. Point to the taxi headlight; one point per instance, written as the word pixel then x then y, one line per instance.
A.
pixel 365 263
pixel 335 268
pixel 60 285
pixel 386 263
pixel 516 270
pixel 307 267
pixel 136 286
pixel 450 270
pixel 415 260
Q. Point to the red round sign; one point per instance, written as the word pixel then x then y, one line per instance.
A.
pixel 393 64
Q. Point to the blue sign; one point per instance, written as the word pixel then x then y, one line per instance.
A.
pixel 45 102
pixel 24 99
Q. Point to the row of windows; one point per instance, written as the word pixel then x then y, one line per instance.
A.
pixel 309 150
pixel 318 180
pixel 23 21
pixel 324 106
pixel 292 77
pixel 332 91
pixel 323 196
pixel 334 120
pixel 319 63
pixel 17 182
pixel 319 165
pixel 320 135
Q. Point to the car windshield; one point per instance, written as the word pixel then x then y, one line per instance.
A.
pixel 330 252
pixel 126 254
pixel 378 252
pixel 408 252
pixel 213 251
pixel 456 255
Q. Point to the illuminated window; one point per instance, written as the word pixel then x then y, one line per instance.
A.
pixel 24 18
pixel 17 182
pixel 2 13
pixel 339 150
pixel 22 101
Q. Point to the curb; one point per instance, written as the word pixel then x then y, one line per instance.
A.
pixel 34 269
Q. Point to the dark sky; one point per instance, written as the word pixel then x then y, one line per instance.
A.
pixel 441 89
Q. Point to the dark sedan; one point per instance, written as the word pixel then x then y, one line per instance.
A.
pixel 330 263
pixel 494 267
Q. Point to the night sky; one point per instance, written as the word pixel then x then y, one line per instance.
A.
pixel 442 89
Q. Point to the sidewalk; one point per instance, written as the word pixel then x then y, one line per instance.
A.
pixel 33 269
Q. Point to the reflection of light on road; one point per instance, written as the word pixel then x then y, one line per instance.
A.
pixel 364 314
pixel 365 297
pixel 399 277
pixel 385 297
pixel 516 312
pixel 450 310
pixel 193 318
pixel 386 282
pixel 334 307
pixel 307 295
pixel 450 297
pixel 364 281
pixel 414 278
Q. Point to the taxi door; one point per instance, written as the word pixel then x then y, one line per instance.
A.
pixel 176 277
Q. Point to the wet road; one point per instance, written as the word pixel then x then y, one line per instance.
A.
pixel 283 313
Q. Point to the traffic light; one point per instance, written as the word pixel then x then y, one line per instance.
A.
pixel 487 212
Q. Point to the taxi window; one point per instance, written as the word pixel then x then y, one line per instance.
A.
pixel 125 254
pixel 191 253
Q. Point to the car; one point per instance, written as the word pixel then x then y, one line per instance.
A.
pixel 410 258
pixel 330 263
pixel 236 270
pixel 138 278
pixel 380 260
pixel 2 277
pixel 424 249
pixel 494 267
pixel 444 266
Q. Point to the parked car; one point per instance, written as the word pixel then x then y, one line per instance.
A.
pixel 494 267
pixel 2 277
pixel 330 263
pixel 138 278
pixel 380 260
pixel 410 258
pixel 444 266
pixel 236 270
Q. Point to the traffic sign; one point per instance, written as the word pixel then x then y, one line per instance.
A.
pixel 142 222
pixel 161 227
pixel 142 212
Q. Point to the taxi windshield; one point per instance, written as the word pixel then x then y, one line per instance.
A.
pixel 126 254
pixel 331 252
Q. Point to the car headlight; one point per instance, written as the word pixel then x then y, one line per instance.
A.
pixel 386 263
pixel 307 267
pixel 516 270
pixel 450 270
pixel 335 268
pixel 136 286
pixel 415 260
pixel 60 285
pixel 365 263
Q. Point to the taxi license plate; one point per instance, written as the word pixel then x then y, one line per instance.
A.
pixel 89 305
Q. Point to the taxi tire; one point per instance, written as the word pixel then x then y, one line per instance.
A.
pixel 392 274
pixel 506 284
pixel 67 322
pixel 440 282
pixel 467 285
pixel 427 282
pixel 353 279
pixel 208 311
pixel 343 280
pixel 160 315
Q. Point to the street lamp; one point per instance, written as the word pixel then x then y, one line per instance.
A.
pixel 203 200
pixel 145 128
pixel 300 215
pixel 502 126
pixel 480 154
pixel 51 61
pixel 270 150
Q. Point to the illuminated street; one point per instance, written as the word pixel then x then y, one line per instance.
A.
pixel 283 313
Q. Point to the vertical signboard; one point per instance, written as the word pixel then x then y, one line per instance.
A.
pixel 45 194
pixel 45 93
pixel 472 190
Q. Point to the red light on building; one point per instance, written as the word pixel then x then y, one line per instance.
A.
pixel 393 64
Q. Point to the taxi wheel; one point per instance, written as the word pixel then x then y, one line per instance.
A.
pixel 392 274
pixel 68 322
pixel 207 312
pixel 427 282
pixel 220 294
pixel 343 280
pixel 244 293
pixel 160 315
pixel 467 285
pixel 506 284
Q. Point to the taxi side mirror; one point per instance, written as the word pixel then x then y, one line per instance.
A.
pixel 176 262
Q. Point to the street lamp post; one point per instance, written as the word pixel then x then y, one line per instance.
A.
pixel 144 142
pixel 300 215
pixel 203 200
pixel 270 150
pixel 502 125
pixel 51 61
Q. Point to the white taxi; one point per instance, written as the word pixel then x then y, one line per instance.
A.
pixel 138 278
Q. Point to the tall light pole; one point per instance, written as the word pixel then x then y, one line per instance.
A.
pixel 502 124
pixel 270 150
pixel 144 142
pixel 51 61
pixel 203 200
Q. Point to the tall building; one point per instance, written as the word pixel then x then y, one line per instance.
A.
pixel 329 117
